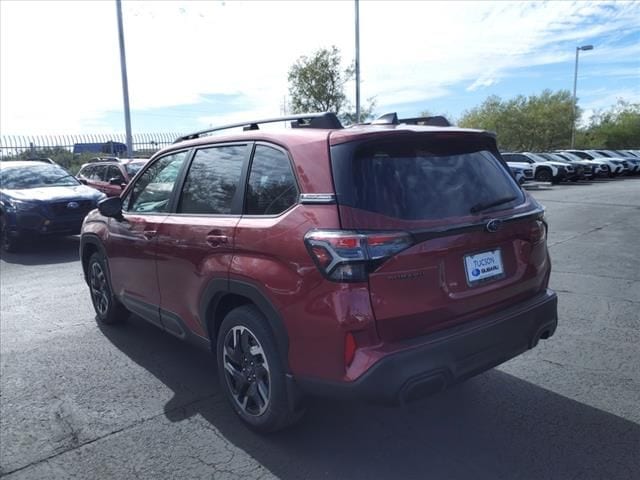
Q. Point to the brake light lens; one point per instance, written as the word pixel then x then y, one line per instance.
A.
pixel 348 256
pixel 538 232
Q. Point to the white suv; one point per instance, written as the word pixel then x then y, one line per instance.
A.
pixel 543 170
pixel 615 166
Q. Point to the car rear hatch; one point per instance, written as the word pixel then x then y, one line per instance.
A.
pixel 450 234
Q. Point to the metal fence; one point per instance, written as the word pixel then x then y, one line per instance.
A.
pixel 143 143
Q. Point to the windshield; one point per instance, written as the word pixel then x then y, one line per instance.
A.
pixel 133 168
pixel 570 156
pixel 605 154
pixel 583 155
pixel 35 176
pixel 422 179
pixel 538 157
pixel 552 157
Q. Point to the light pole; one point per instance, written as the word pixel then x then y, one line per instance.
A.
pixel 575 85
pixel 125 83
pixel 357 62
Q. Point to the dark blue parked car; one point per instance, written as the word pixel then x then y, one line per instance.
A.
pixel 39 198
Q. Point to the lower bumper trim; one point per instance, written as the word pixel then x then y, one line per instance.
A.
pixel 448 357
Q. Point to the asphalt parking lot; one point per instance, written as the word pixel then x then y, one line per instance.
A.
pixel 80 401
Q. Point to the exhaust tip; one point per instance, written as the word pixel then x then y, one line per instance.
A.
pixel 421 387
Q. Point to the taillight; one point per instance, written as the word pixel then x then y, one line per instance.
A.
pixel 348 256
pixel 538 232
pixel 349 348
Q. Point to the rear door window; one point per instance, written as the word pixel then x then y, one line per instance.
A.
pixel 97 173
pixel 423 179
pixel 114 172
pixel 212 181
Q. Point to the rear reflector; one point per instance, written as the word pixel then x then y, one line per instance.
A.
pixel 348 256
pixel 349 348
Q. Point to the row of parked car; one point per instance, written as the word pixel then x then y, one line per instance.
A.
pixel 572 165
pixel 39 198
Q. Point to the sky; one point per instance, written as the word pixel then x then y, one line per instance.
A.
pixel 195 64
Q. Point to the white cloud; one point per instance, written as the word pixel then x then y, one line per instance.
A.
pixel 481 82
pixel 60 68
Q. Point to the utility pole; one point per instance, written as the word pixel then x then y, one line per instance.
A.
pixel 357 61
pixel 125 83
pixel 575 85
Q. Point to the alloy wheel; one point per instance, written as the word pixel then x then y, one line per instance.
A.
pixel 100 293
pixel 246 371
pixel 544 176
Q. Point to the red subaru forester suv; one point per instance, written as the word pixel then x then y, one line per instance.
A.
pixel 382 262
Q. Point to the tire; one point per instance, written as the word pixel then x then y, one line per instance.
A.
pixel 107 307
pixel 251 371
pixel 8 243
pixel 544 175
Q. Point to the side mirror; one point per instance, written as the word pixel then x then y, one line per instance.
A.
pixel 111 207
pixel 115 181
pixel 82 180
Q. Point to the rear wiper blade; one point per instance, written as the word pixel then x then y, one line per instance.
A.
pixel 484 206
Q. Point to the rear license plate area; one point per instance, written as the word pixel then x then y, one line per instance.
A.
pixel 483 267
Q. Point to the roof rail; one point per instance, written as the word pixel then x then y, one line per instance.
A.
pixel 392 119
pixel 326 120
pixel 103 159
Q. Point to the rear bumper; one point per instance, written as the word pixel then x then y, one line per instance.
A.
pixel 432 363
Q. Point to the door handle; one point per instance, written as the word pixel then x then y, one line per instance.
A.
pixel 217 240
pixel 149 234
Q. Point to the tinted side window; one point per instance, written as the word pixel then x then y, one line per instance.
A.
pixel 101 172
pixel 85 172
pixel 152 191
pixel 96 172
pixel 114 172
pixel 522 158
pixel 212 180
pixel 272 187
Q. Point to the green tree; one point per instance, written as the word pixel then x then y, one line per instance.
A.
pixel 317 84
pixel 537 123
pixel 617 127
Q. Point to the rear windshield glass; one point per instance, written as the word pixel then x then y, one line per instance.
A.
pixel 422 180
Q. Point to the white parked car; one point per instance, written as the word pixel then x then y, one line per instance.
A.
pixel 543 169
pixel 615 159
pixel 615 166
pixel 600 169
pixel 523 172
pixel 632 162
pixel 584 169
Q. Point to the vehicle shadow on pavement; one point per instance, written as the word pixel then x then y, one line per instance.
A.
pixel 492 426
pixel 45 251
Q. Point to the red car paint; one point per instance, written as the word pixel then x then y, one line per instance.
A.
pixel 187 266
